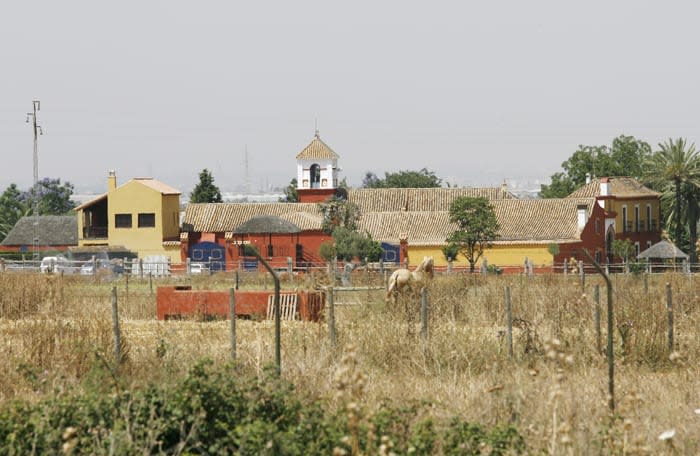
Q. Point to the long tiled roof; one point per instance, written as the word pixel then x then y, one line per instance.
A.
pixel 222 217
pixel 418 199
pixel 317 149
pixel 521 221
pixel 51 230
pixel 621 187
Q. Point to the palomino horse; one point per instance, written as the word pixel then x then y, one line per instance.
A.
pixel 403 279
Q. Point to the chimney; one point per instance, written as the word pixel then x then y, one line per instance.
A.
pixel 504 189
pixel 111 180
pixel 582 215
pixel 588 178
pixel 604 186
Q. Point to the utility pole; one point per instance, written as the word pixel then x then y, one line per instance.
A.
pixel 36 104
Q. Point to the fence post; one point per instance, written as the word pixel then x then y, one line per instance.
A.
pixel 669 310
pixel 232 313
pixel 150 282
pixel 424 314
pixel 610 354
pixel 646 283
pixel 582 275
pixel 187 266
pixel 2 265
pixel 509 322
pixel 596 316
pixel 236 279
pixel 331 315
pixel 381 266
pixel 449 265
pixel 115 329
pixel 141 268
pixel 94 265
pixel 289 267
pixel 126 283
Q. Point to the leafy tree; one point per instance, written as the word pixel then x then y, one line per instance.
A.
pixel 623 248
pixel 54 197
pixel 678 164
pixel 403 179
pixel 625 157
pixel 351 244
pixel 450 252
pixel 553 249
pixel 12 208
pixel 290 193
pixel 205 191
pixel 477 227
pixel 327 251
pixel 338 212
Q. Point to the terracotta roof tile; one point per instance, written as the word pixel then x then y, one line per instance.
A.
pixel 222 217
pixel 418 199
pixel 621 187
pixel 531 221
pixel 317 149
pixel 157 185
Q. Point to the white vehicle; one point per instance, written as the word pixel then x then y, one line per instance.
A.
pixel 54 264
pixel 198 268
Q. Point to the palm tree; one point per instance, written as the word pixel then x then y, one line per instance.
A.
pixel 676 163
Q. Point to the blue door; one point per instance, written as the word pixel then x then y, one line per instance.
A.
pixel 210 253
pixel 391 253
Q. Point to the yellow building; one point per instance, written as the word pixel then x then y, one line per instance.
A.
pixel 141 215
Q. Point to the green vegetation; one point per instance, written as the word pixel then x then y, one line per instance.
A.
pixel 53 199
pixel 221 410
pixel 205 191
pixel 402 179
pixel 625 157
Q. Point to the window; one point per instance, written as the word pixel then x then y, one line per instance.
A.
pixel 636 218
pixel 624 219
pixel 649 220
pixel 636 249
pixel 597 256
pixel 147 220
pixel 122 220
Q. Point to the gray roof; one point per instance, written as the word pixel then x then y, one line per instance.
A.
pixel 664 250
pixel 51 230
pixel 268 224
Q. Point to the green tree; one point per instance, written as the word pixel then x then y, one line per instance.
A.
pixel 678 164
pixel 338 212
pixel 477 227
pixel 290 193
pixel 351 244
pixel 205 191
pixel 12 208
pixel 623 248
pixel 403 179
pixel 625 157
pixel 53 197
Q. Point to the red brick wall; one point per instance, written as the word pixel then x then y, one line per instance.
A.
pixel 178 302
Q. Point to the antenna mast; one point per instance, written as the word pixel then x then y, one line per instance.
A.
pixel 36 104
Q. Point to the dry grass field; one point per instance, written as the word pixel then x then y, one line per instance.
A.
pixel 554 389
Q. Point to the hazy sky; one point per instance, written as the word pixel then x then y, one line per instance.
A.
pixel 478 92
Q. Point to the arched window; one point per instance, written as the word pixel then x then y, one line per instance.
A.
pixel 609 238
pixel 315 172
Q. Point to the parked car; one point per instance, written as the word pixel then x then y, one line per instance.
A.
pixel 89 267
pixel 55 264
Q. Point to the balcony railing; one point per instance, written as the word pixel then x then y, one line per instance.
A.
pixel 94 232
pixel 643 226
